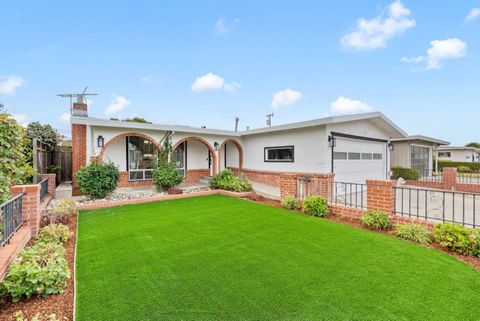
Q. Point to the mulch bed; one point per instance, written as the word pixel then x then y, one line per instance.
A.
pixel 471 260
pixel 59 304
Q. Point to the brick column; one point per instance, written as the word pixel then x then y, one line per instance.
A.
pixel 449 179
pixel 380 195
pixel 79 144
pixel 52 183
pixel 288 185
pixel 31 212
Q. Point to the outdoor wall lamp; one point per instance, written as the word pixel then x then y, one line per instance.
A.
pixel 391 147
pixel 215 145
pixel 332 141
pixel 100 141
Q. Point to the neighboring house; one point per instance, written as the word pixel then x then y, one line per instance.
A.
pixel 417 152
pixel 354 147
pixel 459 154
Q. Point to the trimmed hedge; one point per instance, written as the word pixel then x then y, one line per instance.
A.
pixel 405 173
pixel 473 166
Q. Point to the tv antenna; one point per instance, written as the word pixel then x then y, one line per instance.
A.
pixel 269 119
pixel 80 97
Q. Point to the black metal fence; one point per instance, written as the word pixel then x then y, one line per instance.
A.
pixel 438 205
pixel 468 178
pixel 10 218
pixel 430 176
pixel 342 193
pixel 43 189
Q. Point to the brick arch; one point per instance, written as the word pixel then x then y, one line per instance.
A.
pixel 240 152
pixel 124 135
pixel 204 142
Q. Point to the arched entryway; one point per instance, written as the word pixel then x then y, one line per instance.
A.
pixel 230 155
pixel 195 158
pixel 135 154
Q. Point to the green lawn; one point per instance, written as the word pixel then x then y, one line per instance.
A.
pixel 220 258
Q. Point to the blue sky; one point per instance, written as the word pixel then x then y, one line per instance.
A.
pixel 205 62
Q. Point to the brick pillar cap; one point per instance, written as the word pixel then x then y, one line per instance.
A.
pixel 381 182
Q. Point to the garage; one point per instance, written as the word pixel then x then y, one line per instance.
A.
pixel 356 159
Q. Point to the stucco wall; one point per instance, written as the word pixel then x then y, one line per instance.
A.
pixel 400 156
pixel 232 156
pixel 116 153
pixel 197 155
pixel 458 155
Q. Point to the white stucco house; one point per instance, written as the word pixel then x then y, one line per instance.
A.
pixel 459 154
pixel 354 147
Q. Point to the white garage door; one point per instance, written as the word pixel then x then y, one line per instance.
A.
pixel 356 160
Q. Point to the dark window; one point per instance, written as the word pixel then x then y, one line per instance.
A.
pixel 377 156
pixel 279 154
pixel 366 156
pixel 142 155
pixel 354 156
pixel 444 154
pixel 339 155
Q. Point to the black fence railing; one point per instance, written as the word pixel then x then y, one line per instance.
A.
pixel 43 189
pixel 430 176
pixel 10 218
pixel 438 205
pixel 342 193
pixel 349 194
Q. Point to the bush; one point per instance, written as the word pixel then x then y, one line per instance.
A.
pixel 316 206
pixel 227 181
pixel 290 203
pixel 58 233
pixel 474 166
pixel 405 173
pixel 97 180
pixel 464 169
pixel 377 220
pixel 61 212
pixel 457 238
pixel 39 269
pixel 166 175
pixel 413 232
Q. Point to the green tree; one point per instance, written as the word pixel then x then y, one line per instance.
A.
pixel 137 120
pixel 473 144
pixel 44 133
pixel 14 166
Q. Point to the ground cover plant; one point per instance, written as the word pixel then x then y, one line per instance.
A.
pixel 220 258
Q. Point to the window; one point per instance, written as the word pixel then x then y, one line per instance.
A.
pixel 366 156
pixel 354 156
pixel 377 156
pixel 339 155
pixel 444 154
pixel 141 157
pixel 420 157
pixel 279 154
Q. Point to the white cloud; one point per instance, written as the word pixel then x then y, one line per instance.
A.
pixel 439 52
pixel 212 81
pixel 147 78
pixel 345 105
pixel 232 87
pixel 118 104
pixel 473 14
pixel 64 118
pixel 375 33
pixel 286 97
pixel 222 26
pixel 21 119
pixel 10 84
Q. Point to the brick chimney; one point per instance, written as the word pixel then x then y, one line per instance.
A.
pixel 79 143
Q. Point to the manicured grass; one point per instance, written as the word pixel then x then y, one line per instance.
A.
pixel 220 258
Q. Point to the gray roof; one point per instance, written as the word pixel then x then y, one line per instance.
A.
pixel 473 149
pixel 374 116
pixel 421 137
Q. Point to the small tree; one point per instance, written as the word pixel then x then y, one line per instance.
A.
pixel 166 174
pixel 45 133
pixel 473 144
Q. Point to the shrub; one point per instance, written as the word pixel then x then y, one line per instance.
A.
pixel 377 220
pixel 464 169
pixel 227 181
pixel 58 233
pixel 413 232
pixel 40 269
pixel 405 173
pixel 97 180
pixel 474 166
pixel 316 206
pixel 290 203
pixel 457 238
pixel 61 212
pixel 166 175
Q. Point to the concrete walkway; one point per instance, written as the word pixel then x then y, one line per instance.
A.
pixel 64 191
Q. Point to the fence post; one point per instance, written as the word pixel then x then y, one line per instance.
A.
pixel 52 183
pixel 288 185
pixel 449 178
pixel 326 183
pixel 380 195
pixel 31 212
